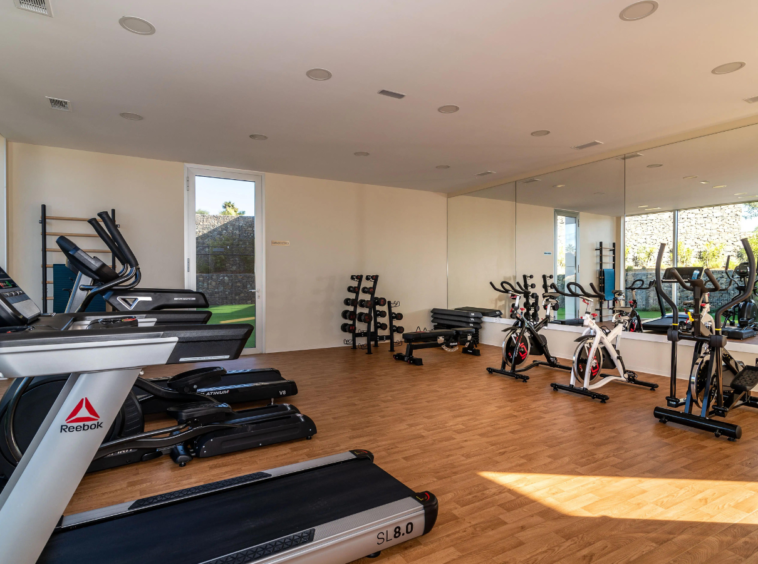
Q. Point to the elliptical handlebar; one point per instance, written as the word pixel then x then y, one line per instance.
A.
pixel 747 292
pixel 659 285
pixel 118 239
pixel 108 241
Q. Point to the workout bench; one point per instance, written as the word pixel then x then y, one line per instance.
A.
pixel 447 339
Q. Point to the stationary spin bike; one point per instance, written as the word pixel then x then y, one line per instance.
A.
pixel 598 347
pixel 523 338
pixel 718 382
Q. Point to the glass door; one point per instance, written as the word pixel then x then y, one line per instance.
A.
pixel 223 246
pixel 567 258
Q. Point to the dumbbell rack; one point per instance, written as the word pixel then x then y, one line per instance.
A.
pixel 372 334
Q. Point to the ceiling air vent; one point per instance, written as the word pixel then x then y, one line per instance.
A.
pixel 392 94
pixel 58 104
pixel 485 173
pixel 41 7
pixel 629 156
pixel 752 100
pixel 588 145
pixel 530 181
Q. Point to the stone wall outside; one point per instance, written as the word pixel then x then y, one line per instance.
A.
pixel 226 258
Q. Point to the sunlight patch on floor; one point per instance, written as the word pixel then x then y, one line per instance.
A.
pixel 712 501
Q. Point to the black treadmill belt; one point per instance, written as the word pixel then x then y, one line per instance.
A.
pixel 205 528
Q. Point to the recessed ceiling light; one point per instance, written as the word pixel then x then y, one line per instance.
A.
pixel 318 74
pixel 449 109
pixel 638 11
pixel 706 182
pixel 131 116
pixel 719 186
pixel 485 173
pixel 689 177
pixel 752 100
pixel 137 25
pixel 588 145
pixel 728 67
pixel 654 165
pixel 442 167
pixel 540 133
pixel 740 193
pixel 645 206
pixel 531 180
pixel 361 154
pixel 629 156
pixel 258 137
pixel 653 209
pixel 559 186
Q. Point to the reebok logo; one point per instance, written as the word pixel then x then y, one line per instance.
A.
pixel 85 416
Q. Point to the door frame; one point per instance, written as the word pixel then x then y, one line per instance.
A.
pixel 190 248
pixel 575 215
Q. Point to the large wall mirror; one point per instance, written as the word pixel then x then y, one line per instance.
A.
pixel 481 246
pixel 700 197
pixel 602 223
pixel 568 228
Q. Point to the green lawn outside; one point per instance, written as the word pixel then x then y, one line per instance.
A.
pixel 234 314
pixel 644 314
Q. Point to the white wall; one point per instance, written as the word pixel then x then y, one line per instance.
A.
pixel 481 249
pixel 535 236
pixel 3 202
pixel 335 229
pixel 146 194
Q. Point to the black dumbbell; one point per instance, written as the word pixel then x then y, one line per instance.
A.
pixel 364 317
pixel 349 315
pixel 372 277
pixel 381 326
pixel 348 328
pixel 368 290
pixel 397 316
pixel 381 302
pixel 349 302
pixel 381 313
pixel 365 303
pixel 398 329
pixel 355 277
pixel 352 289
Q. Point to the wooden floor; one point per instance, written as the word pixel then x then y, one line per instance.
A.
pixel 523 474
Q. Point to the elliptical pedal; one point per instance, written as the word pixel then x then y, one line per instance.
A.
pixel 746 379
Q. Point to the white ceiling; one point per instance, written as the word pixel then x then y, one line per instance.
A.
pixel 216 72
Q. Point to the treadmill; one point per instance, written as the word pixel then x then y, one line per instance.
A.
pixel 332 510
pixel 662 324
pixel 95 277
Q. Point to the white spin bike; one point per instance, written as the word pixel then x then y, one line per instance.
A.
pixel 598 347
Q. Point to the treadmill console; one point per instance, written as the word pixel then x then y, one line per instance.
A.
pixel 16 308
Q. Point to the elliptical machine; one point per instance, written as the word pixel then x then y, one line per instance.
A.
pixel 718 383
pixel 523 338
pixel 739 320
pixel 118 289
pixel 598 348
